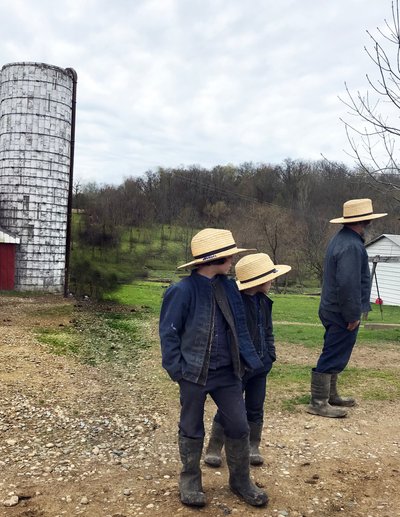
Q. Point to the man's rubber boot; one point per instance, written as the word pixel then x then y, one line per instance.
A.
pixel 237 456
pixel 255 439
pixel 335 399
pixel 214 447
pixel 320 389
pixel 190 487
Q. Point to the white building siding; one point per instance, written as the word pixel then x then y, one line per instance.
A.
pixel 388 273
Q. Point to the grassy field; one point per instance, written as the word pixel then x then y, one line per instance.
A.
pixel 295 316
pixel 296 323
pixel 127 325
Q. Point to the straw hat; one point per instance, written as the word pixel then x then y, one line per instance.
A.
pixel 357 210
pixel 211 244
pixel 256 269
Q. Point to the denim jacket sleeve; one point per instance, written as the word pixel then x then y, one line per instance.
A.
pixel 172 319
pixel 348 282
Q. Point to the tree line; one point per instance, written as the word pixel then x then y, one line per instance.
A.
pixel 283 209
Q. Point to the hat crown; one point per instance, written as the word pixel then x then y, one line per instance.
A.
pixel 210 241
pixel 253 265
pixel 357 208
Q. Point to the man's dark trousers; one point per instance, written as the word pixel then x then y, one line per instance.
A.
pixel 338 343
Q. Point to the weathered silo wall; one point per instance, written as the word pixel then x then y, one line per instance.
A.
pixel 36 115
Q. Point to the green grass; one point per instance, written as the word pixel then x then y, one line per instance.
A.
pixel 289 385
pixel 287 308
pixel 140 294
pixel 295 308
pixel 312 336
pixel 309 336
pixel 101 337
pixel 60 342
pixel 118 337
pixel 303 308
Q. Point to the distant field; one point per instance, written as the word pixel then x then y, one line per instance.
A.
pixel 290 311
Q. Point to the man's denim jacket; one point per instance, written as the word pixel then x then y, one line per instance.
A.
pixel 346 283
pixel 186 325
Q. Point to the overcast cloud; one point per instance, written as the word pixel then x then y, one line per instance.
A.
pixel 208 82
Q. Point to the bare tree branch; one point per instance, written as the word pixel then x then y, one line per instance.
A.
pixel 375 143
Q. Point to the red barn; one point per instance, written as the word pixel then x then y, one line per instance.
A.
pixel 7 260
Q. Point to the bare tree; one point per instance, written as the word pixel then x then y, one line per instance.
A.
pixel 374 131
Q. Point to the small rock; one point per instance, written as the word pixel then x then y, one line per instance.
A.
pixel 127 492
pixel 84 500
pixel 10 441
pixel 13 501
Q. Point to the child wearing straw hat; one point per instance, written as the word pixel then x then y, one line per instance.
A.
pixel 254 274
pixel 346 288
pixel 205 346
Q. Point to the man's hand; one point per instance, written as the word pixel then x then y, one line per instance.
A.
pixel 352 325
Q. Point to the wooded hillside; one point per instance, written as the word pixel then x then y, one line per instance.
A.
pixel 283 209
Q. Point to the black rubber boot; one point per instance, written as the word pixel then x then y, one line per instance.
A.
pixel 237 456
pixel 215 444
pixel 255 439
pixel 190 487
pixel 335 399
pixel 320 389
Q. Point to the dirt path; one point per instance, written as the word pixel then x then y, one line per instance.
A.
pixel 101 442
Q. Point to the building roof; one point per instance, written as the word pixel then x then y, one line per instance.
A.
pixel 391 237
pixel 8 238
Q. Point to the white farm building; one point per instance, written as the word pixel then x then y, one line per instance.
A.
pixel 385 251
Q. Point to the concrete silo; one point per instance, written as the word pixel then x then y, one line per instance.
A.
pixel 37 125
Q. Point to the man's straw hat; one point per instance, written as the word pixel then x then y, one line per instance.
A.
pixel 357 210
pixel 211 244
pixel 256 269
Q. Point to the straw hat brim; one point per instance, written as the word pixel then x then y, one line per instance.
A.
pixel 280 269
pixel 215 256
pixel 356 219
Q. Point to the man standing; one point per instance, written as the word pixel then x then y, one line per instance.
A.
pixel 205 344
pixel 345 297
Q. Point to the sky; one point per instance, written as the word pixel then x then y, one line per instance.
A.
pixel 171 83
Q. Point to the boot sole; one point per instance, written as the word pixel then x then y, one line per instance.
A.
pixel 252 502
pixel 313 412
pixel 213 463
pixel 197 503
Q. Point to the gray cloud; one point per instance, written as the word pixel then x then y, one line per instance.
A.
pixel 178 82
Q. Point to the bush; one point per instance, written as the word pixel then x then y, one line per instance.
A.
pixel 88 279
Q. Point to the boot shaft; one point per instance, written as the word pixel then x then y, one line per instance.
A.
pixel 237 456
pixel 190 485
pixel 190 450
pixel 255 440
pixel 320 392
pixel 335 399
pixel 215 444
